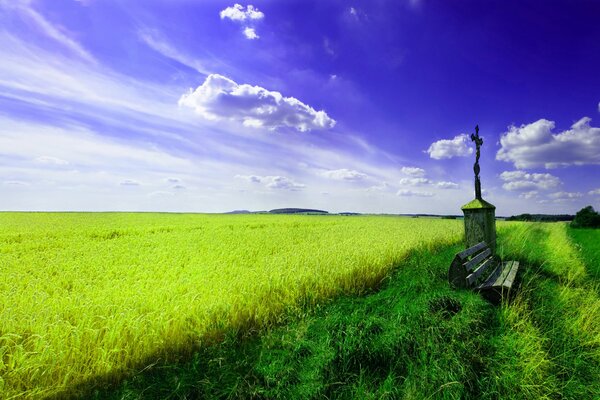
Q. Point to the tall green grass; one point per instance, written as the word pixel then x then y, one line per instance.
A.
pixel 143 306
pixel 416 338
pixel 92 295
pixel 548 340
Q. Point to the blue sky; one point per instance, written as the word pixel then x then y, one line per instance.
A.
pixel 365 106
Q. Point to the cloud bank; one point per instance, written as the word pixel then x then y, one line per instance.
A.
pixel 220 98
pixel 534 145
pixel 521 180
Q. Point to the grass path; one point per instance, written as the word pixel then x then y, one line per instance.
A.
pixel 416 339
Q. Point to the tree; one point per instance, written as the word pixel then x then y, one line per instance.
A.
pixel 587 217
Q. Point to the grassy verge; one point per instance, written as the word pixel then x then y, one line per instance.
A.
pixel 547 343
pixel 416 339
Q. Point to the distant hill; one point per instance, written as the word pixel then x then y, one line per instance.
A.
pixel 239 212
pixel 297 211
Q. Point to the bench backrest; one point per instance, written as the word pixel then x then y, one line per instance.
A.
pixel 470 265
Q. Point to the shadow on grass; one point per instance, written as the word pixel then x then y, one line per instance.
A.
pixel 414 338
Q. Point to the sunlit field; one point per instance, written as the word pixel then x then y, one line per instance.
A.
pixel 92 295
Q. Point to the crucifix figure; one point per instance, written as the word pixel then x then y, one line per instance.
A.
pixel 478 142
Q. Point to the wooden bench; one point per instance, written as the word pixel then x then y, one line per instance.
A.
pixel 478 269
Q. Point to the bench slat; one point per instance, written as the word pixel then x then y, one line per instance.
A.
pixel 494 277
pixel 511 275
pixel 477 273
pixel 503 276
pixel 474 249
pixel 470 265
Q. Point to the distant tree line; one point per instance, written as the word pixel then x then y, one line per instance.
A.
pixel 587 217
pixel 541 217
pixel 297 211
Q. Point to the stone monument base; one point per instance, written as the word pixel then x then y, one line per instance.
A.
pixel 480 223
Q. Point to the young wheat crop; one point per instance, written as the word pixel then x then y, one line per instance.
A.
pixel 89 295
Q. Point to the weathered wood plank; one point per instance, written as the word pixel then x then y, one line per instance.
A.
pixel 471 250
pixel 472 278
pixel 495 276
pixel 511 275
pixel 457 276
pixel 503 276
pixel 498 277
pixel 475 261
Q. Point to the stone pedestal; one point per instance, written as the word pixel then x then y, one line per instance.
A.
pixel 480 223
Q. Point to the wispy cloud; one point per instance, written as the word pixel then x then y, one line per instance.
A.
pixel 50 160
pixel 157 42
pixel 413 193
pixel 44 26
pixel 129 182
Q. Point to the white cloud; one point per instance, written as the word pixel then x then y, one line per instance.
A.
pixel 179 187
pixel 535 145
pixel 221 98
pixel 382 187
pixel 457 147
pixel 50 160
pixel 413 171
pixel 173 180
pixel 240 13
pixel 250 33
pixel 344 175
pixel 529 195
pixel 129 182
pixel 245 15
pixel 413 193
pixel 273 182
pixel 521 180
pixel 414 181
pixel 447 185
pixel 594 192
pixel 565 195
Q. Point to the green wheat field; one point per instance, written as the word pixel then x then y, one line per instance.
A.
pixel 154 306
